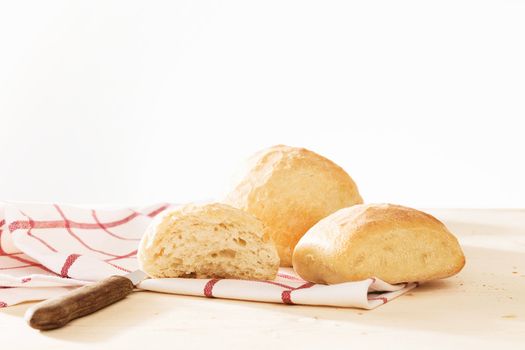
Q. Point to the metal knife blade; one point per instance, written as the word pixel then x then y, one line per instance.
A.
pixel 136 276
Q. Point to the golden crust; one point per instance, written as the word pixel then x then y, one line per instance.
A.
pixel 290 189
pixel 394 243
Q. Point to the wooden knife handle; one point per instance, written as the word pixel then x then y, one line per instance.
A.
pixel 57 312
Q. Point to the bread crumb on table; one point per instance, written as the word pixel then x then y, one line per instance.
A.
pixel 509 316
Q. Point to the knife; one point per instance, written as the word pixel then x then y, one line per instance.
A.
pixel 57 312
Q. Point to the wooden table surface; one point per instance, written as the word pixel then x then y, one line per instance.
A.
pixel 482 307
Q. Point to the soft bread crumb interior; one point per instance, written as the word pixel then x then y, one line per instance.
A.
pixel 211 250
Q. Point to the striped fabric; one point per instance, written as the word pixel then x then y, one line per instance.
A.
pixel 48 249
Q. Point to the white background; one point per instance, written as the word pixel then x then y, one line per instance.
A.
pixel 422 102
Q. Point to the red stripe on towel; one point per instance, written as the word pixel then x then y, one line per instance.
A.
pixel 286 296
pixel 208 288
pixel 67 264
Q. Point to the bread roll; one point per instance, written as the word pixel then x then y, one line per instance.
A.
pixel 391 242
pixel 290 189
pixel 207 241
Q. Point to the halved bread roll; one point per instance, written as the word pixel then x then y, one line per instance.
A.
pixel 207 241
pixel 391 242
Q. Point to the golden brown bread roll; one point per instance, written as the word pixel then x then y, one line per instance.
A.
pixel 205 241
pixel 290 189
pixel 391 242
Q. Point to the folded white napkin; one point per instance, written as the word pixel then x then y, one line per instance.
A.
pixel 48 249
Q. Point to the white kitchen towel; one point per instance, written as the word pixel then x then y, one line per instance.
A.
pixel 48 249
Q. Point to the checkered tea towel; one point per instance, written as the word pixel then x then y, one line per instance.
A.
pixel 48 249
